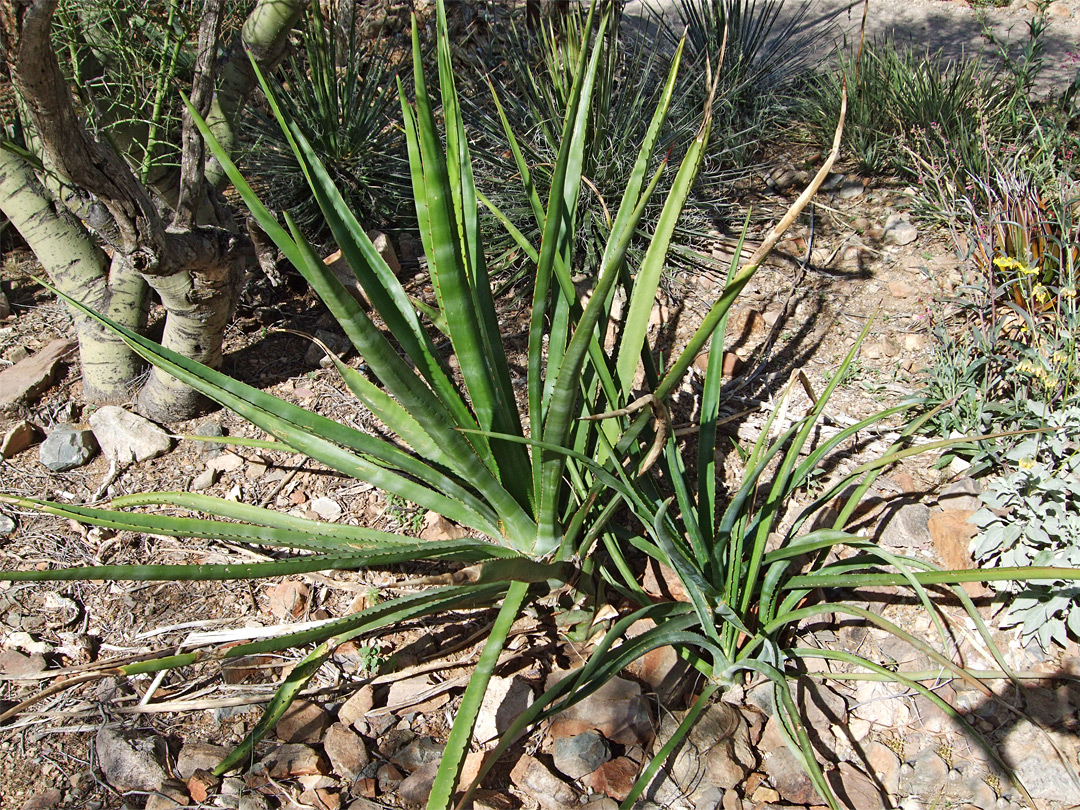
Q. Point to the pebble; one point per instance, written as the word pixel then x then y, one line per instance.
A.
pixel 581 754
pixel 195 756
pixel 20 437
pixel 303 722
pixel 851 189
pixel 532 776
pixel 617 710
pixel 906 527
pixel 899 231
pixel 129 762
pixel 7 525
pixel 29 378
pixel 504 701
pixel 327 509
pixel 67 447
pixel 346 751
pixel 204 480
pixel 127 437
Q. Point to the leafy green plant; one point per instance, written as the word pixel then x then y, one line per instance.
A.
pixel 340 92
pixel 1019 316
pixel 764 57
pixel 945 112
pixel 531 90
pixel 540 502
pixel 1031 517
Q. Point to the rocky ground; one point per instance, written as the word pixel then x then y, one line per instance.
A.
pixel 369 730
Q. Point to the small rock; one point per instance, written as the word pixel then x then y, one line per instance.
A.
pixel 660 668
pixel 581 754
pixel 327 509
pixel 899 231
pixel 201 784
pixel 855 789
pixel 130 762
pixel 617 710
pixel 926 776
pixel 225 462
pixel 881 704
pixel 337 343
pixel 172 794
pixel 851 189
pixel 16 665
pixel 952 534
pixel 505 700
pixel 5 306
pixel 905 527
pixel 418 753
pixel 613 778
pixel 533 777
pixel 601 804
pixel 303 722
pixel 346 751
pixel 196 756
pixel 292 759
pixel 204 480
pixel 383 244
pixel 416 787
pixel 20 437
pixel 388 778
pixel 437 528
pixel 410 246
pixel 914 342
pixel 961 494
pixel 900 289
pixel 287 601
pixel 127 437
pixel 211 428
pixel 29 378
pixel 885 766
pixel 67 448
pixel 253 800
pixel 7 525
pixel 46 800
pixel 355 709
pixel 785 771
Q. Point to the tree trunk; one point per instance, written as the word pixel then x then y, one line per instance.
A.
pixel 195 264
pixel 80 269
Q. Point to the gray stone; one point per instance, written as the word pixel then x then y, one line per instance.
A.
pixel 617 710
pixel 7 525
pixel 504 701
pixel 253 800
pixel 926 775
pixel 31 377
pixel 5 306
pixel 67 448
pixel 355 709
pixel 961 494
pixel 416 787
pixel 46 800
pixel 418 753
pixel 20 437
pixel 126 437
pixel 851 189
pixel 899 231
pixel 786 773
pixel 199 755
pixel 535 779
pixel 581 754
pixel 204 480
pixel 337 343
pixel 346 751
pixel 214 429
pixel 905 527
pixel 130 762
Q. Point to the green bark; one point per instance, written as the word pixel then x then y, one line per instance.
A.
pixel 79 268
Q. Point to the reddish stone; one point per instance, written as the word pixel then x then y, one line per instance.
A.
pixel 614 778
pixel 30 378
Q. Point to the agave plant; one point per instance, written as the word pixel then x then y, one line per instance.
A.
pixel 530 483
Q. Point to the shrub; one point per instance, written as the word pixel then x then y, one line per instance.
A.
pixel 340 92
pixel 1031 517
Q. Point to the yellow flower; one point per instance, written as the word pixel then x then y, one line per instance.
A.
pixel 1026 463
pixel 1060 358
pixel 1007 263
pixel 1042 295
pixel 1069 292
